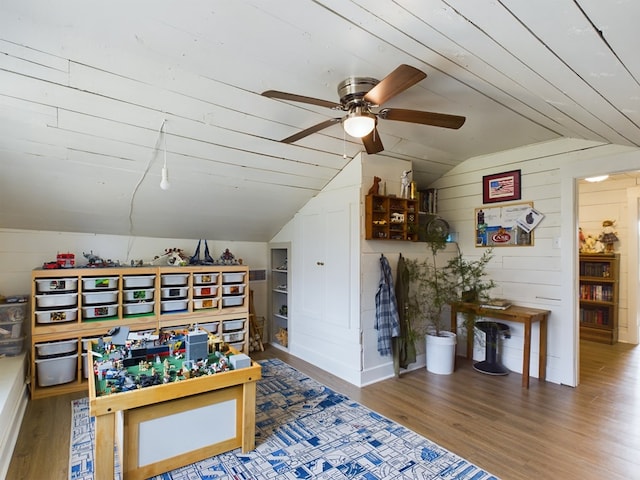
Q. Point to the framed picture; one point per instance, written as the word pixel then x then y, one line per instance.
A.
pixel 501 187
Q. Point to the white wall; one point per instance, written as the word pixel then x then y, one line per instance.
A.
pixel 374 366
pixel 23 250
pixel 540 276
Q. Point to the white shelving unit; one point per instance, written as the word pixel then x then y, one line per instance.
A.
pixel 279 297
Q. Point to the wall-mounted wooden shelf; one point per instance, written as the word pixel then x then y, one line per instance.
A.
pixel 391 218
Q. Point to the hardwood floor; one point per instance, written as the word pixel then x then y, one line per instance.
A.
pixel 547 432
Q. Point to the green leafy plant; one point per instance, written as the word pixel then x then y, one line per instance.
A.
pixel 432 288
pixel 472 284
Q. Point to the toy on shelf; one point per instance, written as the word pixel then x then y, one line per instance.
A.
pixel 283 337
pixel 608 236
pixel 94 261
pixel 195 259
pixel 592 245
pixel 171 256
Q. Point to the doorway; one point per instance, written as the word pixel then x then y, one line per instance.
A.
pixel 617 198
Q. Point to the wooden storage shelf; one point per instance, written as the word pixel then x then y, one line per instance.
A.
pixel 598 292
pixel 203 291
pixel 391 218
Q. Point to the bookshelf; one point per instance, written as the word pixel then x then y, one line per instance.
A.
pixel 598 291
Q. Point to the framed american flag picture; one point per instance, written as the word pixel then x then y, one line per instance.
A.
pixel 501 187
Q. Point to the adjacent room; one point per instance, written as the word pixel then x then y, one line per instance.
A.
pixel 319 239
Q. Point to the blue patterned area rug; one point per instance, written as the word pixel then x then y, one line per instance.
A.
pixel 304 430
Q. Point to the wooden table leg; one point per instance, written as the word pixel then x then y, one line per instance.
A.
pixel 103 460
pixel 526 354
pixel 542 362
pixel 248 417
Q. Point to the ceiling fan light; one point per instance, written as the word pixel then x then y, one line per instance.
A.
pixel 599 178
pixel 358 123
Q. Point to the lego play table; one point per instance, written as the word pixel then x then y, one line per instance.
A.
pixel 163 427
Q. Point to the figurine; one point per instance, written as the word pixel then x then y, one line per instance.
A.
pixel 375 188
pixel 283 336
pixel 405 183
pixel 591 245
pixel 172 256
pixel 608 236
pixel 227 257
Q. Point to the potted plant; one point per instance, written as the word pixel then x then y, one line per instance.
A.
pixel 431 290
pixel 472 284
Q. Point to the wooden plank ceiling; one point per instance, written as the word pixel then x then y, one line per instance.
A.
pixel 85 87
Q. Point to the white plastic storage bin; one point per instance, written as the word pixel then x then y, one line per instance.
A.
pixel 101 311
pixel 237 346
pixel 174 279
pixel 11 346
pixel 168 306
pixel 57 316
pixel 56 371
pixel 233 337
pixel 99 283
pixel 86 343
pixel 205 278
pixel 57 300
pixel 201 303
pixel 141 281
pixel 138 308
pixel 12 317
pixel 205 291
pixel 56 348
pixel 99 298
pixel 233 277
pixel 47 285
pixel 236 289
pixel 232 325
pixel 174 293
pixel 85 365
pixel 138 295
pixel 234 301
pixel 209 327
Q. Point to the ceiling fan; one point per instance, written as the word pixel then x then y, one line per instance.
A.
pixel 359 96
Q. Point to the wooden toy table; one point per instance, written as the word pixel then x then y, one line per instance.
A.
pixel 163 427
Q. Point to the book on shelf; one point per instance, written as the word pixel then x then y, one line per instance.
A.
pixel 496 304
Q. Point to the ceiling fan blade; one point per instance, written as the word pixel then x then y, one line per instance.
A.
pixel 301 98
pixel 396 82
pixel 372 143
pixel 425 118
pixel 310 130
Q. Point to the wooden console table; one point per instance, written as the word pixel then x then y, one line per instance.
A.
pixel 149 444
pixel 524 315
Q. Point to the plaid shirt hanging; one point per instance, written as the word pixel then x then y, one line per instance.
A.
pixel 387 321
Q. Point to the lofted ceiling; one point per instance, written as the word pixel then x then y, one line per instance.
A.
pixel 93 95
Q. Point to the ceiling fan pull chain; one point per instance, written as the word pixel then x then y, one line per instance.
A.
pixel 344 144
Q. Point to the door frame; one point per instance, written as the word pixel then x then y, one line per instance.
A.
pixel 587 163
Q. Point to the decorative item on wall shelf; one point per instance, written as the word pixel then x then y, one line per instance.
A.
pixel 375 188
pixel 506 225
pixel 501 187
pixel 405 184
